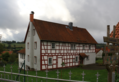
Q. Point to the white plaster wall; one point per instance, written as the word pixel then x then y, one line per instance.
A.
pixel 20 61
pixel 92 59
pixel 27 51
pixel 99 54
pixel 36 52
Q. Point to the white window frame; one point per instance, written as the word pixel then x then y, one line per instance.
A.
pixel 89 47
pixel 83 47
pixel 35 60
pixel 35 45
pixel 77 59
pixel 51 61
pixel 73 46
pixel 53 46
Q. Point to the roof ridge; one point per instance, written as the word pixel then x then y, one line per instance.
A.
pixel 59 23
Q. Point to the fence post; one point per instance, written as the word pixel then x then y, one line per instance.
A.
pixel 11 72
pixel 46 74
pixel 57 74
pixel 4 70
pixel 70 75
pixel 19 73
pixel 83 76
pixel 27 75
pixel 36 74
pixel 97 76
pixel 1 77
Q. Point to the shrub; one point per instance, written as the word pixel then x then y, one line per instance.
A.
pixel 12 58
pixel 63 64
pixel 5 56
pixel 99 62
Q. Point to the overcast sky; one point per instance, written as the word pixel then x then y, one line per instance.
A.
pixel 94 15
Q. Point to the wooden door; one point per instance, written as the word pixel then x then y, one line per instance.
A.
pixel 59 62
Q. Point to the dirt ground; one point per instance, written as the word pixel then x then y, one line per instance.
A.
pixel 93 67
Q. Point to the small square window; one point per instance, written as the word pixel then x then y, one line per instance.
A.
pixel 72 46
pixel 53 45
pixel 49 61
pixel 76 58
pixel 84 47
pixel 89 47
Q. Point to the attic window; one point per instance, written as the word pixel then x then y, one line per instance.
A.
pixel 33 32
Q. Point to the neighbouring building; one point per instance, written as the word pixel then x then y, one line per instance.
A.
pixel 99 53
pixel 49 44
pixel 21 58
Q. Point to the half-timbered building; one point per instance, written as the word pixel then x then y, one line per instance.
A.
pixel 51 45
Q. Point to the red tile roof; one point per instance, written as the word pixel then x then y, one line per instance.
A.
pixel 22 51
pixel 58 32
pixel 116 31
pixel 83 55
pixel 10 52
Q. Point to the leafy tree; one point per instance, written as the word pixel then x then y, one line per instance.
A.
pixel 5 56
pixel 1 48
pixel 12 58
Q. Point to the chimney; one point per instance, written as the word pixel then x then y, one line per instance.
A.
pixel 31 16
pixel 70 26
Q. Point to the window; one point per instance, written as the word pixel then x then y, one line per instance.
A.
pixel 76 58
pixel 53 45
pixel 84 47
pixel 33 32
pixel 35 59
pixel 28 45
pixel 89 47
pixel 72 46
pixel 28 58
pixel 50 61
pixel 35 45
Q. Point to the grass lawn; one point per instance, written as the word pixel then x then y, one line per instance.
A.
pixel 76 74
